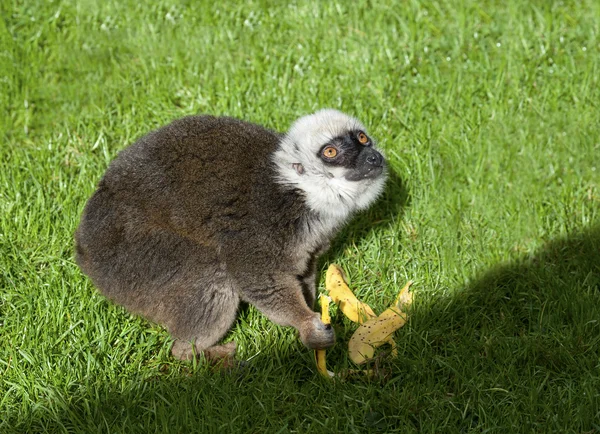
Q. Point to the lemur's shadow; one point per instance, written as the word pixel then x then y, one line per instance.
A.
pixel 389 207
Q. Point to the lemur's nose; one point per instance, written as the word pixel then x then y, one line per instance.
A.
pixel 374 158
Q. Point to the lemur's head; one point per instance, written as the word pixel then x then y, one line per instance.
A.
pixel 331 158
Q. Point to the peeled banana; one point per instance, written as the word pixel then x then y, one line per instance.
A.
pixel 377 331
pixel 320 357
pixel 340 293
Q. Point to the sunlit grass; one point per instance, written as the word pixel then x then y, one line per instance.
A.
pixel 488 115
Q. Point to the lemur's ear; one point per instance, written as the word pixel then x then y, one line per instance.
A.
pixel 299 168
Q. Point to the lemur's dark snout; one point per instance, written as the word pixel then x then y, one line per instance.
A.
pixel 370 159
pixel 374 158
pixel 369 165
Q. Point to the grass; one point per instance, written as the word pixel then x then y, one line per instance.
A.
pixel 489 116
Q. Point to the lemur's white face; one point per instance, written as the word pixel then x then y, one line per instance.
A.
pixel 331 158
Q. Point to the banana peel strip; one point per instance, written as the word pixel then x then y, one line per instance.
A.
pixel 380 330
pixel 337 287
pixel 320 355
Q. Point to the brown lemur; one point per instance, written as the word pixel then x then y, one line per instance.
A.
pixel 207 212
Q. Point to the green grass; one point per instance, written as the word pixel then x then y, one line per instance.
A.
pixel 489 115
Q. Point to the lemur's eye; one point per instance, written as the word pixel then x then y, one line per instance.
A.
pixel 330 152
pixel 362 138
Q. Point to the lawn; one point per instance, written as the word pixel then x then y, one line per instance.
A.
pixel 489 116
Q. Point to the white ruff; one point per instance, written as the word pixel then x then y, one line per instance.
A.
pixel 328 193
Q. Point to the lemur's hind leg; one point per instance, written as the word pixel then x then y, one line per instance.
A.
pixel 203 322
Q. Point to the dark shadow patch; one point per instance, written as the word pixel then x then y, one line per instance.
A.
pixel 518 344
pixel 517 350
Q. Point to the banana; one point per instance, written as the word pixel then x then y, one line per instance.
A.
pixel 378 331
pixel 320 354
pixel 353 308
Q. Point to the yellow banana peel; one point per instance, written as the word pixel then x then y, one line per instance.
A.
pixel 373 330
pixel 320 355
pixel 340 293
pixel 378 331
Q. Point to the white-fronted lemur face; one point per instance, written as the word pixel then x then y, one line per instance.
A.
pixel 331 157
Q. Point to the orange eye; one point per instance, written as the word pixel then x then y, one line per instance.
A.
pixel 330 152
pixel 362 138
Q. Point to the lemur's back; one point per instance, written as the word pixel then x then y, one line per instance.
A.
pixel 169 197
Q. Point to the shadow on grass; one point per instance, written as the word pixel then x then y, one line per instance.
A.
pixel 519 347
pixel 516 350
pixel 554 293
